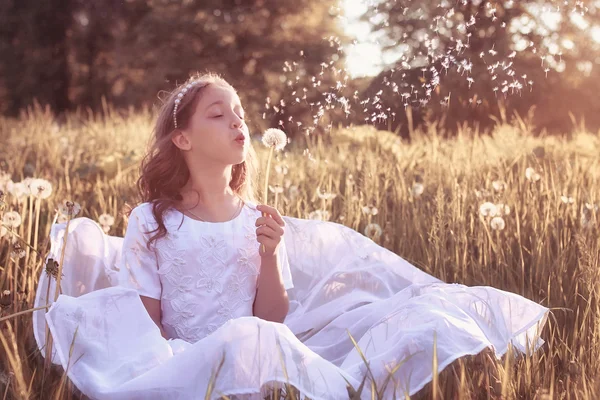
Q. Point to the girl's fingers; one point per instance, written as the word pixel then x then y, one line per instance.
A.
pixel 272 212
pixel 266 231
pixel 270 222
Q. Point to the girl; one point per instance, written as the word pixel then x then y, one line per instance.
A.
pixel 199 173
pixel 187 306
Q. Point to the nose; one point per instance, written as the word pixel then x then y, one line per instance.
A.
pixel 237 122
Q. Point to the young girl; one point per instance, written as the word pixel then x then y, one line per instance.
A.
pixel 202 266
pixel 188 306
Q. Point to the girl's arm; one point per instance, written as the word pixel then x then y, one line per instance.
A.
pixel 271 302
pixel 154 310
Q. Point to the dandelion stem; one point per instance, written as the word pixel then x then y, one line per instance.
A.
pixel 266 188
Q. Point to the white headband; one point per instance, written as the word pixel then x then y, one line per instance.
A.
pixel 180 96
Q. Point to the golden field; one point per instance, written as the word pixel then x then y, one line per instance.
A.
pixel 507 208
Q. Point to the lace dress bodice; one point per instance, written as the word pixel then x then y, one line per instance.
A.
pixel 204 273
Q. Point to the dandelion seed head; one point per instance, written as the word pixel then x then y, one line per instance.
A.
pixel 417 189
pixel 567 199
pixel 40 188
pixel 497 223
pixel 499 186
pixel 106 219
pixel 373 231
pixel 320 215
pixel 274 138
pixel 12 219
pixel 370 210
pixel 69 208
pixel 488 209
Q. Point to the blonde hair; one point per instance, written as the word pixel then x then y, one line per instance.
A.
pixel 163 171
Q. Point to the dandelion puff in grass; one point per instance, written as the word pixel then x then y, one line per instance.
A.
pixel 40 188
pixel 488 209
pixel 319 215
pixel 532 175
pixel 12 219
pixel 276 189
pixel 18 251
pixel 69 208
pixel 325 195
pixel 373 231
pixel 497 223
pixel 499 186
pixel 567 199
pixel 293 192
pixel 417 189
pixel 370 210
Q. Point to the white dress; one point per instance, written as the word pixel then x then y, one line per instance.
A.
pixel 339 283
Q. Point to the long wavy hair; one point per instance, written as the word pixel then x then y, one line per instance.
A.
pixel 163 171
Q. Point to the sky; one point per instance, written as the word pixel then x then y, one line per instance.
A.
pixel 362 58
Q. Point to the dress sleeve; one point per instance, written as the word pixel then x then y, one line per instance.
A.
pixel 139 266
pixel 286 273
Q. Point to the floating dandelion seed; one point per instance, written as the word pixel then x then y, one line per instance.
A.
pixel 320 215
pixel 370 210
pixel 488 209
pixel 499 186
pixel 12 219
pixel 417 189
pixel 40 188
pixel 373 231
pixel 69 208
pixel 497 223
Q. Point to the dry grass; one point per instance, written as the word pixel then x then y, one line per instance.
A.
pixel 548 251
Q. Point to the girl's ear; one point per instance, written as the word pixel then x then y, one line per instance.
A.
pixel 180 140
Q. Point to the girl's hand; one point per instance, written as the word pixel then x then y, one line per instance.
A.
pixel 269 231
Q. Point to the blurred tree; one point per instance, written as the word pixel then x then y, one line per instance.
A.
pixel 464 59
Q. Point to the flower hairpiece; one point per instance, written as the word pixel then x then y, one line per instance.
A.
pixel 180 96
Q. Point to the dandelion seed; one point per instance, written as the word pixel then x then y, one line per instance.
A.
pixel 503 209
pixel 567 199
pixel 12 219
pixel 106 219
pixel 68 207
pixel 373 231
pixel 320 215
pixel 370 210
pixel 499 186
pixel 488 209
pixel 274 138
pixel 417 189
pixel 40 188
pixel 497 223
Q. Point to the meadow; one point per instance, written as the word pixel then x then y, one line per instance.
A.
pixel 510 208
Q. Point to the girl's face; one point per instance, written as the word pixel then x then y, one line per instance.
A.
pixel 217 130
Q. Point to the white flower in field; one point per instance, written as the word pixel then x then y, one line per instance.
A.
pixel 320 215
pixel 488 209
pixel 276 189
pixel 18 190
pixel 499 186
pixel 68 207
pixel 324 195
pixel 503 209
pixel 567 199
pixel 373 231
pixel 417 189
pixel 274 138
pixel 532 175
pixel 27 185
pixel 40 188
pixel 370 210
pixel 106 219
pixel 281 169
pixel 12 219
pixel 293 192
pixel 497 223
